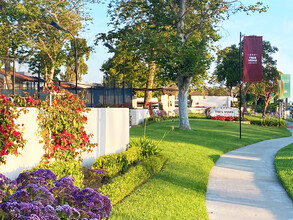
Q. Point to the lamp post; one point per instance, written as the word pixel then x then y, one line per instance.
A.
pixel 57 26
pixel 111 48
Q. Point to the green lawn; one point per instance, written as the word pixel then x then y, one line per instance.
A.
pixel 284 168
pixel 178 191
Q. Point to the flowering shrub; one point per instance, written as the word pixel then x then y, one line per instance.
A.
pixel 11 139
pixel 62 118
pixel 27 101
pixel 159 113
pixel 62 168
pixel 38 195
pixel 222 118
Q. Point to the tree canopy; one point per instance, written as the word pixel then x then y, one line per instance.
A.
pixel 227 71
pixel 29 36
pixel 183 33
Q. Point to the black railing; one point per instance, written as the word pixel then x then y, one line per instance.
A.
pixel 111 94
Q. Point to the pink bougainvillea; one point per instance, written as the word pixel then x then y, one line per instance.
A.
pixel 11 139
pixel 222 118
pixel 63 119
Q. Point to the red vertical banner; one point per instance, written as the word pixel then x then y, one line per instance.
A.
pixel 252 59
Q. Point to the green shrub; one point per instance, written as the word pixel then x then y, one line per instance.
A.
pixel 133 154
pixel 268 122
pixel 122 186
pixel 71 168
pixel 197 115
pixel 147 146
pixel 112 163
pixel 119 162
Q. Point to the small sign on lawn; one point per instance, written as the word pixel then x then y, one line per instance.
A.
pixel 224 111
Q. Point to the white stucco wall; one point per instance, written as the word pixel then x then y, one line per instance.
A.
pixel 168 103
pixel 211 101
pixel 109 126
pixel 31 153
pixel 138 116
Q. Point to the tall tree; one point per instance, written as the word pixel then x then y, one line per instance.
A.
pixel 187 29
pixel 271 75
pixel 37 37
pixel 139 40
pixel 125 62
pixel 227 71
pixel 10 38
pixel 227 67
pixel 83 54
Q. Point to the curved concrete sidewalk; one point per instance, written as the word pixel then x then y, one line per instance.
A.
pixel 243 185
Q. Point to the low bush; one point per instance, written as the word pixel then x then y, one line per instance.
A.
pixel 121 186
pixel 38 195
pixel 152 119
pixel 197 115
pixel 268 122
pixel 113 164
pixel 147 146
pixel 61 168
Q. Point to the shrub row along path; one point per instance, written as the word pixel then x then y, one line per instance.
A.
pixel 243 184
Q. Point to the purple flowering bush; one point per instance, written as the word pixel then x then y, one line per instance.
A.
pixel 39 196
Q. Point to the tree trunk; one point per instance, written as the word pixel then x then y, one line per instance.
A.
pixel 49 74
pixel 183 86
pixel 8 77
pixel 244 92
pixel 267 100
pixel 150 82
pixel 183 81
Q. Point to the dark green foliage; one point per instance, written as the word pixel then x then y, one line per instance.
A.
pixel 268 122
pixel 122 186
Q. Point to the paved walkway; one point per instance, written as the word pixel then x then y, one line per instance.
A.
pixel 243 185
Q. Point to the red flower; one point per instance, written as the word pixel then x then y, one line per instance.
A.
pixel 84 118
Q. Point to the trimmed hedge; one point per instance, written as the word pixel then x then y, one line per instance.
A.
pixel 268 122
pixel 121 186
pixel 119 162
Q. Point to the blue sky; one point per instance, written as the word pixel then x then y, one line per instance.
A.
pixel 275 26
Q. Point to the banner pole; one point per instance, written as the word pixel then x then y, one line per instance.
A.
pixel 240 85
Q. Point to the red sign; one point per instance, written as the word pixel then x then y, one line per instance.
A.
pixel 252 55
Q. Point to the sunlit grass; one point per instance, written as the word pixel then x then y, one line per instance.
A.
pixel 284 168
pixel 178 191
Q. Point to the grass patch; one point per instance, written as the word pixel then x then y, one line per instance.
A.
pixel 178 191
pixel 284 168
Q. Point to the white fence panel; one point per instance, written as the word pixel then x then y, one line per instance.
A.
pixel 109 126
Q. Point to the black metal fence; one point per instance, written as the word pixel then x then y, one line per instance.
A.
pixel 113 94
